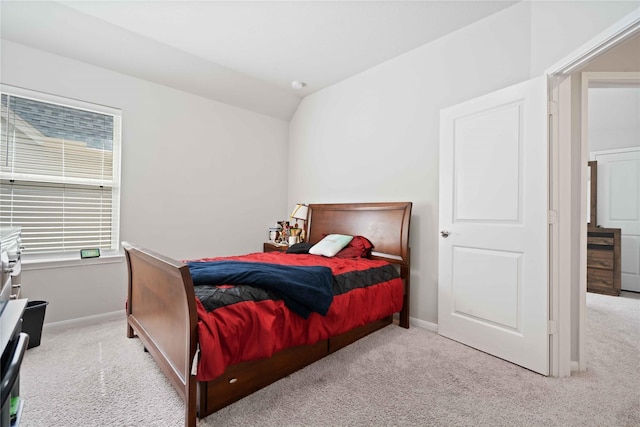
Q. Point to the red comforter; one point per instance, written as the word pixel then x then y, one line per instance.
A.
pixel 252 330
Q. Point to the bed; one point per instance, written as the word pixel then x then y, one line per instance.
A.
pixel 163 310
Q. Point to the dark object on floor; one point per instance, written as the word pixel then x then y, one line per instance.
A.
pixel 32 321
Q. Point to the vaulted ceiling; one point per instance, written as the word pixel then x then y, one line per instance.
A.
pixel 244 53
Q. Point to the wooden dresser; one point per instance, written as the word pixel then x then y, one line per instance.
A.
pixel 603 261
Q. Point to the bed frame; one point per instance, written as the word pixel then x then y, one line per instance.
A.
pixel 161 308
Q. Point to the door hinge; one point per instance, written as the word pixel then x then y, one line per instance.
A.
pixel 553 107
pixel 552 327
pixel 552 217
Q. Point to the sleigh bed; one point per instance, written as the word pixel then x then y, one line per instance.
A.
pixel 165 314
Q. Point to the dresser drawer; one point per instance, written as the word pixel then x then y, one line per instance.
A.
pixel 600 277
pixel 599 240
pixel 600 259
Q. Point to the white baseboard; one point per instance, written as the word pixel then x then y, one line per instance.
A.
pixel 433 327
pixel 84 321
pixel 88 320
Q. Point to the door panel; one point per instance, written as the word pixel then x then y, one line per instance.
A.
pixel 493 283
pixel 487 291
pixel 619 207
pixel 483 191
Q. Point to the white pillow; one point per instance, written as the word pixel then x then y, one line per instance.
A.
pixel 330 245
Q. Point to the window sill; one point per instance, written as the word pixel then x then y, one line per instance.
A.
pixel 47 263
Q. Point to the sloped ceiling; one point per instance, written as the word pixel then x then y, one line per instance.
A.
pixel 243 53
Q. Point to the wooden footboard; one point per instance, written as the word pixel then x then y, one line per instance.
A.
pixel 161 311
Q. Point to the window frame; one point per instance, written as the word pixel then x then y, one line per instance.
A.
pixel 68 258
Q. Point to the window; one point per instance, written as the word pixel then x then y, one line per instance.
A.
pixel 59 173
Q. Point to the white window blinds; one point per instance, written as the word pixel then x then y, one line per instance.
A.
pixel 59 172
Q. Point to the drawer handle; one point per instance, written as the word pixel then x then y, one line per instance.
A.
pixel 233 380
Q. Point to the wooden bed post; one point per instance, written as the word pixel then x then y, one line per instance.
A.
pixel 404 314
pixel 130 333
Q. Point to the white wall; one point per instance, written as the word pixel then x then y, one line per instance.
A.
pixel 559 27
pixel 199 178
pixel 375 136
pixel 614 118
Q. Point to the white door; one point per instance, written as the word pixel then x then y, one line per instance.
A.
pixel 619 207
pixel 493 281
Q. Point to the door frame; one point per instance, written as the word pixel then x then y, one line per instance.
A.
pixel 590 79
pixel 568 316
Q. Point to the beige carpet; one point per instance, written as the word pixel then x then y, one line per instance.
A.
pixel 95 376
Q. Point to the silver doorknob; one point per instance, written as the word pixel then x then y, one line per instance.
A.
pixel 444 233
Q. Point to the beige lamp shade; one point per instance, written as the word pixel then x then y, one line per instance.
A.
pixel 300 212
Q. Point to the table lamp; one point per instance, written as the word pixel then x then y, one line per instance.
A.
pixel 300 212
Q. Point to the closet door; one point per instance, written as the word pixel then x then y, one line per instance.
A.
pixel 619 206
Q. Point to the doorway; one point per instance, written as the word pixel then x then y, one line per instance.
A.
pixel 564 266
pixel 613 140
pixel 615 51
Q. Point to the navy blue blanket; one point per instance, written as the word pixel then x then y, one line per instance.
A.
pixel 303 289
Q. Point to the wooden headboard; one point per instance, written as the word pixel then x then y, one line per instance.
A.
pixel 385 224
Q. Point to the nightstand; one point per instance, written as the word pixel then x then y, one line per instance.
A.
pixel 270 247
